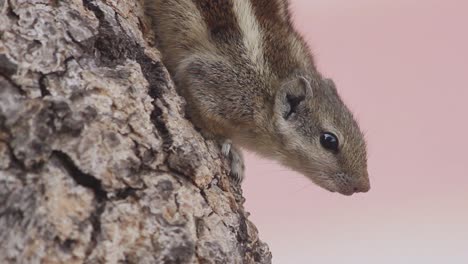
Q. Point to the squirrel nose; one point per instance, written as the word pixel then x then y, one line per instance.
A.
pixel 362 185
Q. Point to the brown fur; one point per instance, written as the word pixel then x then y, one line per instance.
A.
pixel 236 62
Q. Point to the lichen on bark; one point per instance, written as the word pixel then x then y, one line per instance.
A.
pixel 98 163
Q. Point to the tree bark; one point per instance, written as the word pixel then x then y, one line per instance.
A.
pixel 97 161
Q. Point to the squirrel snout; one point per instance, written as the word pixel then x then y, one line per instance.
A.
pixel 350 187
pixel 362 185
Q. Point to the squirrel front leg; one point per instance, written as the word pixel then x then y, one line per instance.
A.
pixel 212 95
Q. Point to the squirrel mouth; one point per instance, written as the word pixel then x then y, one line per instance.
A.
pixel 347 192
pixel 334 187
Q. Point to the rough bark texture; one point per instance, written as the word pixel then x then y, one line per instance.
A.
pixel 97 161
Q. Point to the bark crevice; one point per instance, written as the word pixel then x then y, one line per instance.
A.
pixel 81 178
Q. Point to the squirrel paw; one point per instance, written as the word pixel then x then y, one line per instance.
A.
pixel 237 161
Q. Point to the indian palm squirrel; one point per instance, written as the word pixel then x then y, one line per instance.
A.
pixel 250 81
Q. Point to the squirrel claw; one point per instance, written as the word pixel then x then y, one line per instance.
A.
pixel 237 161
pixel 226 148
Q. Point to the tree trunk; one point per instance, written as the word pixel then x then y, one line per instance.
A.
pixel 97 162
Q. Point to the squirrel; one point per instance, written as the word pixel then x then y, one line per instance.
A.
pixel 250 81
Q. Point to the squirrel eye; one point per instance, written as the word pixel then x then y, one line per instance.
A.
pixel 293 102
pixel 329 141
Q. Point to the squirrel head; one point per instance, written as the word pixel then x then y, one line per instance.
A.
pixel 318 136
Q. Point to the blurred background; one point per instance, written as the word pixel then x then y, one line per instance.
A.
pixel 402 67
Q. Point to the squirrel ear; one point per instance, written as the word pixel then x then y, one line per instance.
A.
pixel 291 94
pixel 307 87
pixel 299 86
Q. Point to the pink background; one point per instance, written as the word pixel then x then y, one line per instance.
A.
pixel 402 67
